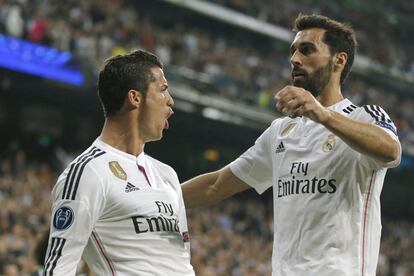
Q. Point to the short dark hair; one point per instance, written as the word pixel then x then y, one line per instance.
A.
pixel 122 73
pixel 340 37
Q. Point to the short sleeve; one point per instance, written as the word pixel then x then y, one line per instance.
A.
pixel 78 200
pixel 376 115
pixel 255 165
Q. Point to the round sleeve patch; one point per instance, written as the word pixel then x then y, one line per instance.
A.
pixel 63 218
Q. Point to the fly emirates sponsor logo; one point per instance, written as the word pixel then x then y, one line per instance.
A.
pixel 164 222
pixel 300 182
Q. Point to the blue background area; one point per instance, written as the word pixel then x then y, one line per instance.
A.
pixel 38 60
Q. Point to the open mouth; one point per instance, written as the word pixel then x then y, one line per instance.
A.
pixel 167 124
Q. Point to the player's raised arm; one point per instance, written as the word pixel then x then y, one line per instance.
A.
pixel 365 137
pixel 373 135
pixel 211 187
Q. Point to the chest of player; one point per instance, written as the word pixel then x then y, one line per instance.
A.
pixel 304 157
pixel 132 194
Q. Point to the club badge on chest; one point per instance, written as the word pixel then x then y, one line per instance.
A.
pixel 329 143
pixel 117 170
pixel 288 129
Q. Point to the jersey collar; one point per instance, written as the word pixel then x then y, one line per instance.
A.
pixel 140 159
pixel 339 106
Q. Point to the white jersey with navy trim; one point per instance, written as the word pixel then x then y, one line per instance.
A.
pixel 327 216
pixel 124 215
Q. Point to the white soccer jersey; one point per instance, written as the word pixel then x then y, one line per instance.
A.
pixel 121 220
pixel 327 216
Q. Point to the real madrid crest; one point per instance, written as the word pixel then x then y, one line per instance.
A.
pixel 329 144
pixel 288 129
pixel 117 170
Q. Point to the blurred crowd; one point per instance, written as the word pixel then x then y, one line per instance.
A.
pixel 24 213
pixel 210 59
pixel 231 238
pixel 384 30
pixel 217 63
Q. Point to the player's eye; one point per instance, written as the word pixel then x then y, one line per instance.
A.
pixel 306 50
pixel 164 89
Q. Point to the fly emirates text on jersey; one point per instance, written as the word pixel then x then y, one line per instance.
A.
pixel 299 182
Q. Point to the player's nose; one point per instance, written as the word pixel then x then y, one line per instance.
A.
pixel 295 59
pixel 170 100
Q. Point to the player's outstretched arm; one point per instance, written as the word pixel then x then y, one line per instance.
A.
pixel 211 187
pixel 364 137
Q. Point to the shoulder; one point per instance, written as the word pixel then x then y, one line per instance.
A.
pixel 92 159
pixel 375 114
pixel 89 156
pixel 86 167
pixel 369 111
pixel 162 168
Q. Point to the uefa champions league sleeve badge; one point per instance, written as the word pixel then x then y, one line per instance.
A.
pixel 63 218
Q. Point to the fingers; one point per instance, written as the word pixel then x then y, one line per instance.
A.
pixel 291 100
pixel 285 94
pixel 291 106
pixel 295 101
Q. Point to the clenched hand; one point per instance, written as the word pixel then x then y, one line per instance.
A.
pixel 296 101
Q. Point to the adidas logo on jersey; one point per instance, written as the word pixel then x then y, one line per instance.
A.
pixel 280 148
pixel 130 188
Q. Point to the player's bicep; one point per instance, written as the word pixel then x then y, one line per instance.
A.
pixel 228 183
pixel 376 115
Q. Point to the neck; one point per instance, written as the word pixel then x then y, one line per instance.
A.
pixel 332 94
pixel 120 133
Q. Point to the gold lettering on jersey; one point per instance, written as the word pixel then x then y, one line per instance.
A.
pixel 117 170
pixel 288 129
pixel 329 144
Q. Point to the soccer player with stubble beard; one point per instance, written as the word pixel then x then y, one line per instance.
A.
pixel 326 161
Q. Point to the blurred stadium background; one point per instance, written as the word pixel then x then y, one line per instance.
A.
pixel 224 61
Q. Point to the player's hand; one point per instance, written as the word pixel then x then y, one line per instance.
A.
pixel 296 101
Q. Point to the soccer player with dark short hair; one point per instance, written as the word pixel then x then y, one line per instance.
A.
pixel 119 209
pixel 326 161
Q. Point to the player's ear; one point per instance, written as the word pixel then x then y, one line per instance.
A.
pixel 340 60
pixel 134 98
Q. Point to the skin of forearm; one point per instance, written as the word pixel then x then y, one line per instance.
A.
pixel 200 191
pixel 363 137
pixel 211 188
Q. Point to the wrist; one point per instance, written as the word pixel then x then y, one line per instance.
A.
pixel 326 118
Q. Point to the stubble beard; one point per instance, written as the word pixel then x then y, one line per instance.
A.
pixel 317 81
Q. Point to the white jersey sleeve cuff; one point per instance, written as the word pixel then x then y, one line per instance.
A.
pixel 239 172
